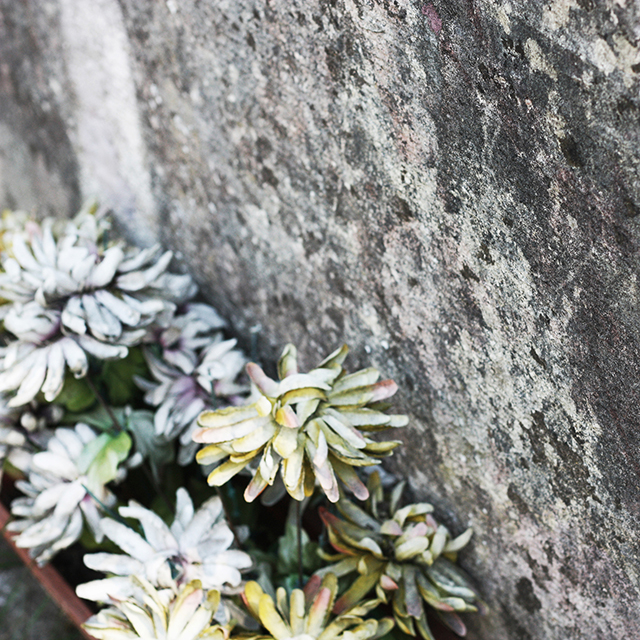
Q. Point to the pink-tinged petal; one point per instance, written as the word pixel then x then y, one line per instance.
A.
pixel 383 390
pixel 318 612
pixel 185 609
pixel 387 583
pixel 350 479
pixel 287 417
pixel 322 451
pixel 208 435
pixel 257 485
pixel 418 530
pixel 391 528
pixel 264 383
pixel 327 479
pixel 312 587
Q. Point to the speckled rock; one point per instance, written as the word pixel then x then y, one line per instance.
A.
pixel 453 188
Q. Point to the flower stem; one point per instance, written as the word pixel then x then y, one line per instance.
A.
pixel 108 510
pixel 299 533
pixel 119 428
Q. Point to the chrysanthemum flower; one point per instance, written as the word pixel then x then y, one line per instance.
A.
pixel 187 332
pixel 68 271
pixel 404 554
pixel 308 425
pixel 66 486
pixel 151 614
pixel 307 614
pixel 72 296
pixel 197 365
pixel 195 547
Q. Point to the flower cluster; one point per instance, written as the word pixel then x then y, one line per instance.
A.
pixel 71 297
pixel 195 547
pixel 67 486
pixel 160 615
pixel 310 426
pixel 101 338
pixel 74 302
pixel 402 553
pixel 307 614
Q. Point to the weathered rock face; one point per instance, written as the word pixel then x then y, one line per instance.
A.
pixel 450 187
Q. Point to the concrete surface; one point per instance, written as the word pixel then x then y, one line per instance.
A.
pixel 450 187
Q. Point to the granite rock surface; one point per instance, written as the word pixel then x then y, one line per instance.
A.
pixel 452 188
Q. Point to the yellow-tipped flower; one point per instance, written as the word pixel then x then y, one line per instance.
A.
pixel 306 614
pixel 161 615
pixel 402 553
pixel 310 426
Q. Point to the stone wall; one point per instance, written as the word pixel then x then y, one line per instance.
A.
pixel 451 187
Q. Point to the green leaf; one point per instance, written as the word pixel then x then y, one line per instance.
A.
pixel 101 419
pixel 76 395
pixel 103 456
pixel 117 376
pixel 156 449
pixel 357 591
pixel 288 548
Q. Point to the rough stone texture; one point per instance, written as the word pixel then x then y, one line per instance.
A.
pixel 450 187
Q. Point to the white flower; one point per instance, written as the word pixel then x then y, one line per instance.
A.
pixel 181 396
pixel 187 332
pixel 150 614
pixel 65 483
pixel 70 269
pixel 29 368
pixel 72 297
pixel 197 365
pixel 195 547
